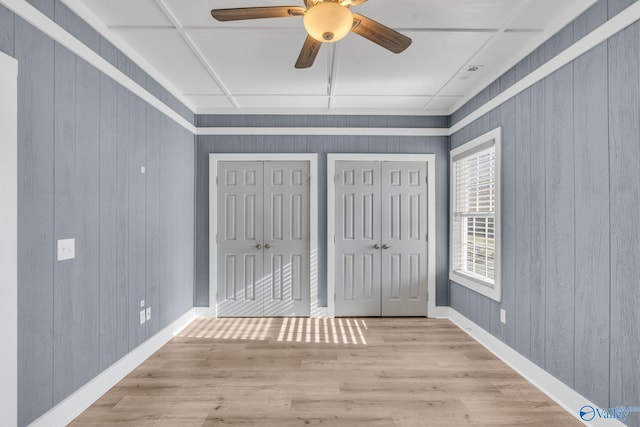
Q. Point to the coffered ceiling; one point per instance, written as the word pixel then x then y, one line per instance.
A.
pixel 248 66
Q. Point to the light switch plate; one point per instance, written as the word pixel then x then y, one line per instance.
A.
pixel 142 317
pixel 141 303
pixel 66 249
pixel 148 313
pixel 143 169
pixel 503 315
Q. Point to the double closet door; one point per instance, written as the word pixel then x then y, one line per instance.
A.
pixel 381 238
pixel 263 239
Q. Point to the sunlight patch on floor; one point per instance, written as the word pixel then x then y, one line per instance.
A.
pixel 323 331
pixel 289 329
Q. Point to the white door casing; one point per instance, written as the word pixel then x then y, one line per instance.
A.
pixel 9 241
pixel 399 300
pixel 308 294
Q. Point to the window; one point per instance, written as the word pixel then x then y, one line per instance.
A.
pixel 475 215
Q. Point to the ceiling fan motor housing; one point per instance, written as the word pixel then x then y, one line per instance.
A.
pixel 328 21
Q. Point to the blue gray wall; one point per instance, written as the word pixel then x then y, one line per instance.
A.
pixel 571 202
pixel 82 141
pixel 321 145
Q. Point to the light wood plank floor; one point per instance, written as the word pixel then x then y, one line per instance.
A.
pixel 340 372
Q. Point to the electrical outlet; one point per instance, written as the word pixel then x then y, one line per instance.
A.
pixel 503 315
pixel 148 313
pixel 141 303
pixel 66 249
pixel 142 317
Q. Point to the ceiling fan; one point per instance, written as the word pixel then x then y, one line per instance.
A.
pixel 326 21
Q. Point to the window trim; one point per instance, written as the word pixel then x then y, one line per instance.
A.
pixel 490 290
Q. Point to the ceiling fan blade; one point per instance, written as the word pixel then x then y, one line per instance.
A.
pixel 239 14
pixel 380 34
pixel 309 52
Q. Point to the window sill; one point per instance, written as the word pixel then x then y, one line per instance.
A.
pixel 488 290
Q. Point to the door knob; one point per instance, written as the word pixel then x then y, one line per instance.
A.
pixel 259 246
pixel 267 246
pixel 385 246
pixel 376 246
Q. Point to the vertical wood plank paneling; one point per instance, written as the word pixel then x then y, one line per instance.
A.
pixel 186 141
pixel 108 52
pixel 202 222
pixel 592 226
pixel 153 229
pixel 560 233
pixel 595 16
pixel 35 54
pixel 86 291
pixel 74 182
pixel 7 27
pixel 559 42
pixel 108 223
pixel 44 6
pixel 66 273
pixel 537 58
pixel 624 140
pixel 136 220
pixel 456 297
pixel 523 220
pixel 176 222
pixel 123 305
pixel 538 219
pixel 617 6
pixel 77 215
pixel 439 146
pixel 168 179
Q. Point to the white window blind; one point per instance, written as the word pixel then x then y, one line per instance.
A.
pixel 474 214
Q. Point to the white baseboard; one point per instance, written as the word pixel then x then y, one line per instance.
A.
pixel 67 410
pixel 205 312
pixel 441 312
pixel 562 394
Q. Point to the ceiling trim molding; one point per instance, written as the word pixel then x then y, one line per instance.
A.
pixel 39 20
pixel 319 131
pixel 624 19
pixel 323 111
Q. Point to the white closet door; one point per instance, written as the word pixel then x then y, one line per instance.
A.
pixel 404 239
pixel 263 239
pixel 357 239
pixel 381 238
pixel 286 238
pixel 240 238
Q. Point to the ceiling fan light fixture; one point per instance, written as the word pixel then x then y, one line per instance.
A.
pixel 328 22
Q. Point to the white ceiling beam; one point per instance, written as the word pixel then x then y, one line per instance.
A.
pixel 196 51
